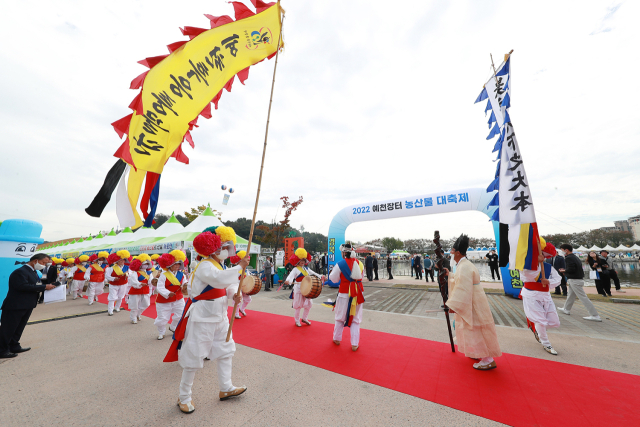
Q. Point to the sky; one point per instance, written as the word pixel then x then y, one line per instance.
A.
pixel 372 101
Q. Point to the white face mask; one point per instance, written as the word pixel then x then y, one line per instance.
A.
pixel 38 266
pixel 49 264
pixel 224 254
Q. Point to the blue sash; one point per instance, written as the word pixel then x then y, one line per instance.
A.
pixel 345 270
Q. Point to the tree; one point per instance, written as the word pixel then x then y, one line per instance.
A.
pixel 274 234
pixel 197 211
pixel 391 244
pixel 158 220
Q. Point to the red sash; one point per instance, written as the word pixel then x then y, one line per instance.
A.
pixel 536 286
pixel 178 335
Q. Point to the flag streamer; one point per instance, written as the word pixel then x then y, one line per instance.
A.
pixel 178 88
pixel 519 238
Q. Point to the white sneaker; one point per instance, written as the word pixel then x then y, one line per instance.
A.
pixel 110 314
pixel 593 318
pixel 298 325
pixel 621 291
pixel 134 321
pixel 561 309
pixel 117 310
pixel 139 318
pixel 238 316
pixel 160 337
pixel 550 350
pixel 91 303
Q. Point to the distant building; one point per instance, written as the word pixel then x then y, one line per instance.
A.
pixel 634 227
pixel 608 229
pixel 622 225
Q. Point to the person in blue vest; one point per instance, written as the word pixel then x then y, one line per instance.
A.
pixel 428 268
pixel 350 300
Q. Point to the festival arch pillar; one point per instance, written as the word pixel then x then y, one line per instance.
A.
pixel 468 199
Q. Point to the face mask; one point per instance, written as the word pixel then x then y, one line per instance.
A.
pixel 38 266
pixel 224 254
pixel 49 264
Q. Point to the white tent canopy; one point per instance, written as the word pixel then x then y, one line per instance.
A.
pixel 609 248
pixel 205 220
pixel 622 248
pixel 594 248
pixel 635 247
pixel 582 248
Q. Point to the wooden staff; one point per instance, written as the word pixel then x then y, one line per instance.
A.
pixel 264 150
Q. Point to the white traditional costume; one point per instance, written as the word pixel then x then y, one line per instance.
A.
pixel 349 303
pixel 118 279
pixel 300 259
pixel 96 275
pixel 475 328
pixel 169 282
pixel 203 329
pixel 77 273
pixel 537 302
pixel 139 292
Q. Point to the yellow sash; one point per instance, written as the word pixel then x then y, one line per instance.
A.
pixel 96 267
pixel 81 268
pixel 174 281
pixel 143 274
pixel 118 270
pixel 212 261
pixel 303 271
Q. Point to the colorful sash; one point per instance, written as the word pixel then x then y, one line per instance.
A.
pixel 355 291
pixel 117 270
pixel 207 294
pixel 97 267
pixel 82 268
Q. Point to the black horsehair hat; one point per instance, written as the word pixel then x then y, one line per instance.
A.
pixel 462 244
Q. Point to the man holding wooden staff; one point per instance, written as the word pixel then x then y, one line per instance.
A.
pixel 203 328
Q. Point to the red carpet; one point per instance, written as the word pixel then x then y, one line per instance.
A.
pixel 522 391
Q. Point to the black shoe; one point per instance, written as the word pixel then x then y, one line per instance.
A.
pixel 564 295
pixel 21 350
pixel 268 290
pixel 7 355
pixel 557 293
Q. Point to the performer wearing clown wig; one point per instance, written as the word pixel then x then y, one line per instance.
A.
pixel 538 305
pixel 118 279
pixel 77 273
pixel 139 292
pixel 95 274
pixel 203 329
pixel 299 260
pixel 246 299
pixel 170 299
pixel 348 305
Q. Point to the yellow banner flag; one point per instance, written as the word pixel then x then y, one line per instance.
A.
pixel 179 87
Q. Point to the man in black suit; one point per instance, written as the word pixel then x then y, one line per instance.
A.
pixel 375 267
pixel 368 265
pixel 21 299
pixel 417 265
pixel 493 264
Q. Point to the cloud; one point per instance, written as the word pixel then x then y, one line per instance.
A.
pixel 602 28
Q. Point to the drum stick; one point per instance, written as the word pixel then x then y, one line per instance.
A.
pixel 264 150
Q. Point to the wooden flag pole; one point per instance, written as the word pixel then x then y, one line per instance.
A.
pixel 264 150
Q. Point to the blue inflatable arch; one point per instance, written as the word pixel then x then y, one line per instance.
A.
pixel 468 199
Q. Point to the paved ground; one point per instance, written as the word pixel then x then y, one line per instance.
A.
pixel 100 370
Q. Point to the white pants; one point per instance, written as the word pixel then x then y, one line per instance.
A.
pixel 165 310
pixel 299 301
pixel 95 289
pixel 116 293
pixel 77 287
pixel 342 313
pixel 203 339
pixel 246 299
pixel 138 304
pixel 540 309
